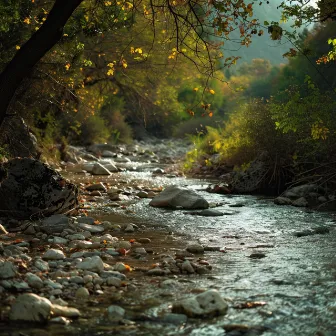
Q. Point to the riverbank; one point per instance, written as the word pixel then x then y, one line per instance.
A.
pixel 275 280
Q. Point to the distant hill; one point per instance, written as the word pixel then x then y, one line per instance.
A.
pixel 262 46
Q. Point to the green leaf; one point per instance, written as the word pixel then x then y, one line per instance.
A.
pixel 266 23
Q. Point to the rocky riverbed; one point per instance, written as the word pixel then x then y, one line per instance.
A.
pixel 117 265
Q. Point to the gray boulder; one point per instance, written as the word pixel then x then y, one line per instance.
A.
pixel 30 307
pixel 53 254
pixel 282 201
pixel 207 304
pixel 111 167
pixel 30 187
pixel 7 270
pixel 94 264
pixel 174 196
pixel 99 169
pixel 303 190
pixel 18 139
pixel 54 224
pixel 115 313
pixel 300 202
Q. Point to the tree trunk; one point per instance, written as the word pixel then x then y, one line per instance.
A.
pixel 33 50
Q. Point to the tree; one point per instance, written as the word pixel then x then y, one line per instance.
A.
pixel 190 25
pixel 31 52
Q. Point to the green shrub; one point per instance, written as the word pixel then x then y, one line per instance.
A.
pixel 113 112
pixel 93 130
pixel 195 126
pixel 120 131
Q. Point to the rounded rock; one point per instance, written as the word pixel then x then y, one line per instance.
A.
pixel 30 307
pixel 53 254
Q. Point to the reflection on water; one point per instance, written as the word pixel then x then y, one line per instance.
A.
pixel 297 276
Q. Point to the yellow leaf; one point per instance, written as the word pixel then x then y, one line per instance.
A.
pixel 26 21
pixel 110 72
pixel 195 89
pixel 17 47
pixel 138 50
pixel 67 66
pixel 212 91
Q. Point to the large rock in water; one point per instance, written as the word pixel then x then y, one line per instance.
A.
pixel 174 196
pixel 30 187
pixel 207 304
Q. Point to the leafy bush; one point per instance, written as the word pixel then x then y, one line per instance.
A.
pixel 113 112
pixel 93 130
pixel 195 126
pixel 119 130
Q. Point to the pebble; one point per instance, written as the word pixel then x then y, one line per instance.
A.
pixel 144 240
pixel 257 255
pixel 115 313
pixel 94 264
pixel 120 267
pixel 60 302
pixel 87 278
pixel 187 267
pixel 195 248
pixel 65 311
pixel 20 285
pixel 107 274
pixel 129 228
pixel 76 279
pixel 91 228
pixel 97 186
pixel 7 270
pixel 124 244
pixel 142 194
pixel 53 254
pixel 113 281
pixel 77 255
pixel 30 230
pixel 140 250
pixel 206 304
pixel 108 238
pixel 41 265
pixel 60 320
pixel 85 244
pixel 52 284
pixel 156 272
pixel 60 240
pixel 170 284
pixel 82 293
pixel 34 281
pixel 76 236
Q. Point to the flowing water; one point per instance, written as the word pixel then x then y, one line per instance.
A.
pixel 296 278
pixel 291 282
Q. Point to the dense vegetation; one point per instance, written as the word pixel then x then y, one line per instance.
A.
pixel 285 113
pixel 115 70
